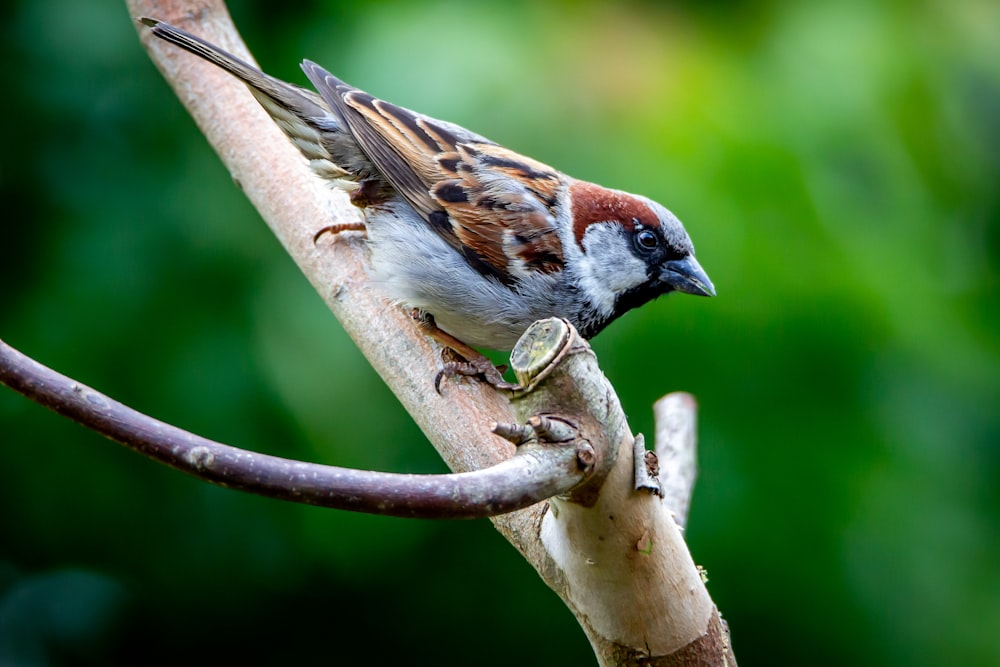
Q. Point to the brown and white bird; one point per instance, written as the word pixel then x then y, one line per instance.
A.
pixel 482 239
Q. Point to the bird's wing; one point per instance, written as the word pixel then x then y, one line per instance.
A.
pixel 496 207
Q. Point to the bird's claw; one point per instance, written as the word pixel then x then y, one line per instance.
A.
pixel 333 230
pixel 480 366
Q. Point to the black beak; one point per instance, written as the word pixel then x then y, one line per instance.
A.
pixel 686 275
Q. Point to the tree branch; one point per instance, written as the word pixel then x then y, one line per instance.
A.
pixel 535 473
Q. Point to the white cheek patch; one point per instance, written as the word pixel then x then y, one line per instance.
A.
pixel 608 266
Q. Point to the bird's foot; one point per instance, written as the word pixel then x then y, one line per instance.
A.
pixel 459 358
pixel 478 366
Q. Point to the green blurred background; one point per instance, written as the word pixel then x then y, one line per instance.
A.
pixel 837 165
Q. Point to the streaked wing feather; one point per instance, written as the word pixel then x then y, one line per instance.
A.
pixel 402 151
pixel 499 205
pixel 368 126
pixel 502 205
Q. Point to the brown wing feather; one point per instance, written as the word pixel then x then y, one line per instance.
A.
pixel 499 205
pixel 393 131
pixel 502 205
pixel 392 151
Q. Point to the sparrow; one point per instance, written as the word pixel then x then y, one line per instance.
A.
pixel 480 241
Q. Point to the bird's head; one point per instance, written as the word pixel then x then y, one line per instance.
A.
pixel 632 250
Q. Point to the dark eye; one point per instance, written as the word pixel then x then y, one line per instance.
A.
pixel 646 239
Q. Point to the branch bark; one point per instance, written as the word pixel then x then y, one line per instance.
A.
pixel 614 554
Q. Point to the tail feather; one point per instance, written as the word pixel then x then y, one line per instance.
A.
pixel 301 114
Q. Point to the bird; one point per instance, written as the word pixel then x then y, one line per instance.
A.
pixel 478 240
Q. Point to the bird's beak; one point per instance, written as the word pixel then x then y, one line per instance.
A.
pixel 686 275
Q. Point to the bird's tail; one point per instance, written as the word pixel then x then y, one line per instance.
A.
pixel 301 114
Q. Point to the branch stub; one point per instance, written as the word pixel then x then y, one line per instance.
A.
pixel 539 349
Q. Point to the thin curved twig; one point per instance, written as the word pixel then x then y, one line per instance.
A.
pixel 536 472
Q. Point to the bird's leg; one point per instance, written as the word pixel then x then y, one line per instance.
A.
pixel 459 358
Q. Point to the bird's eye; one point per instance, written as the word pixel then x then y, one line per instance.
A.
pixel 647 239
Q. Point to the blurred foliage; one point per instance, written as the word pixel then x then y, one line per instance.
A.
pixel 837 165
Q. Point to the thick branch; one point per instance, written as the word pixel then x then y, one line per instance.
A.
pixel 535 473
